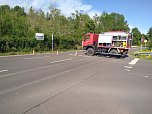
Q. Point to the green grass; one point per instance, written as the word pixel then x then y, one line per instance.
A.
pixel 31 52
pixel 14 53
pixel 142 56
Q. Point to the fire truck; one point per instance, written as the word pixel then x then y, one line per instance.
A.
pixel 113 43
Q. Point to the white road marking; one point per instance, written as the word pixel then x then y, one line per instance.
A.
pixel 133 62
pixel 3 70
pixel 47 78
pixel 127 66
pixel 15 55
pixel 80 55
pixel 7 75
pixel 146 76
pixel 37 57
pixel 127 70
pixel 61 60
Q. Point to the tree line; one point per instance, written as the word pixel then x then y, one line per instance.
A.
pixel 18 28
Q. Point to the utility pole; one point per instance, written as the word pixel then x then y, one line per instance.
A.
pixel 52 42
pixel 1 21
pixel 142 40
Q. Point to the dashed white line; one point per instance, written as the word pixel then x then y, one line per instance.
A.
pixel 61 60
pixel 3 70
pixel 128 67
pixel 133 62
pixel 127 70
pixel 148 74
pixel 7 75
pixel 37 57
pixel 47 78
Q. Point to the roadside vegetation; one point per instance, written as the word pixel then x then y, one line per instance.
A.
pixel 143 54
pixel 18 28
pixel 146 52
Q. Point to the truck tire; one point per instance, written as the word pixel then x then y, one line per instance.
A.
pixel 90 51
pixel 113 52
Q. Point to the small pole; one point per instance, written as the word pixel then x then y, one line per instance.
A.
pixel 57 53
pixel 52 42
pixel 141 47
pixel 76 53
pixel 33 52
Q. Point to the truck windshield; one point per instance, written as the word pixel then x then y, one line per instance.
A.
pixel 116 38
pixel 86 37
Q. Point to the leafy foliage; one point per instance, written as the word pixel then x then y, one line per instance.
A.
pixel 136 36
pixel 17 28
pixel 150 38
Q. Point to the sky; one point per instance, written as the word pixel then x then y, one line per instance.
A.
pixel 138 13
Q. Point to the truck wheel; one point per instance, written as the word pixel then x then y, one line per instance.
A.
pixel 113 52
pixel 90 51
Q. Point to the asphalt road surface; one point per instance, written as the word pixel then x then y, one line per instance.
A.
pixel 71 83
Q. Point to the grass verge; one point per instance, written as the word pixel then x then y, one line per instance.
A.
pixel 143 54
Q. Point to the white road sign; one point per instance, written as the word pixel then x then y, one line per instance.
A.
pixel 39 36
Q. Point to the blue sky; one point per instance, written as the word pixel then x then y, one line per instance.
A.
pixel 137 12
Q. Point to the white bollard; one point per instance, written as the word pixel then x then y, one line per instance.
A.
pixel 33 52
pixel 57 53
pixel 76 53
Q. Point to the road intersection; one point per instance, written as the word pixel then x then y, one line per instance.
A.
pixel 70 83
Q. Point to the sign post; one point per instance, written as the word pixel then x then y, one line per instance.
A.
pixel 142 41
pixel 145 41
pixel 52 42
pixel 38 36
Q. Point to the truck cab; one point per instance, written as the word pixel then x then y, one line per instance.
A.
pixel 89 40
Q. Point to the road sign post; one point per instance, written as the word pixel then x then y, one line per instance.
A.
pixel 145 41
pixel 142 41
pixel 52 42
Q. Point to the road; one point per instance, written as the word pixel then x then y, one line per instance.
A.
pixel 71 83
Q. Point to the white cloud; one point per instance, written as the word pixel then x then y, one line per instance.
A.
pixel 70 6
pixel 92 13
pixel 67 6
pixel 131 27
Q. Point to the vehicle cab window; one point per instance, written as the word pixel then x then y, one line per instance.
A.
pixel 87 37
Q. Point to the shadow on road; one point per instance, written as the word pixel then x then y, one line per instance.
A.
pixel 107 55
pixel 112 56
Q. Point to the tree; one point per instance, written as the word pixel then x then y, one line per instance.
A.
pixel 150 38
pixel 136 36
pixel 111 22
pixel 19 10
pixel 18 28
pixel 90 26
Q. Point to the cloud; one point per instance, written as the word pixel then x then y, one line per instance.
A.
pixel 70 6
pixel 67 6
pixel 131 27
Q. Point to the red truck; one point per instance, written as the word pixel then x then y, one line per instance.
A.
pixel 114 43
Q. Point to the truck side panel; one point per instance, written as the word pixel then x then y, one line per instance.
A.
pixel 105 38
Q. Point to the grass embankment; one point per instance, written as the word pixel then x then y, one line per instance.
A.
pixel 35 52
pixel 14 53
pixel 143 54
